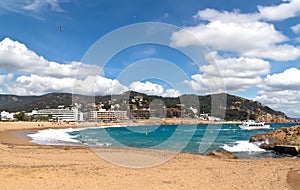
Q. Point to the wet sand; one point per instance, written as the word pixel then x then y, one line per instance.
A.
pixel 24 165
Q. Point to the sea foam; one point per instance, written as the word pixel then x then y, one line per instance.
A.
pixel 242 146
pixel 54 137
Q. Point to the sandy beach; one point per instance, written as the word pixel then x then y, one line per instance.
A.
pixel 24 165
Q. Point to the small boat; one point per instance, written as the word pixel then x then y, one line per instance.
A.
pixel 252 125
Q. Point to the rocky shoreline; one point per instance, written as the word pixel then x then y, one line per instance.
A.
pixel 284 140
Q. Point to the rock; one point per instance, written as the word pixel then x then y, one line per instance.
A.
pixel 259 138
pixel 291 150
pixel 222 154
pixel 265 146
pixel 284 140
pixel 283 136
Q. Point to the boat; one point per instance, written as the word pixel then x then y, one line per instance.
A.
pixel 252 125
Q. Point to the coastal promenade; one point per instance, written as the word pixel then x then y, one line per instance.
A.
pixel 24 165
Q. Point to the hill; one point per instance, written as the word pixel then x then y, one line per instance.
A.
pixel 237 108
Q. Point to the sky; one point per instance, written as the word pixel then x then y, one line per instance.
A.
pixel 246 48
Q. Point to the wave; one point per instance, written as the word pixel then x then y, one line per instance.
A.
pixel 242 146
pixel 54 137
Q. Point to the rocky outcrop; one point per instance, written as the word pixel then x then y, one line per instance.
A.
pixel 270 118
pixel 222 154
pixel 284 140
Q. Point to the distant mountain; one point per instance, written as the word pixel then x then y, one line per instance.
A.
pixel 14 103
pixel 237 108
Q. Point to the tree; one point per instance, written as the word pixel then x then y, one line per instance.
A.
pixel 21 116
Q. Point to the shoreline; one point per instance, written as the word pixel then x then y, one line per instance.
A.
pixel 124 123
pixel 31 166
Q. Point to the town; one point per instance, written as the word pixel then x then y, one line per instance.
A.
pixel 136 108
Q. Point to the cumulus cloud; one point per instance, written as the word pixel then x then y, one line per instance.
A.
pixel 153 89
pixel 91 85
pixel 283 52
pixel 171 93
pixel 244 34
pixel 34 75
pixel 234 74
pixel 5 78
pixel 284 100
pixel 239 67
pixel 281 91
pixel 36 85
pixel 230 36
pixel 16 57
pixel 225 16
pixel 105 86
pixel 280 12
pixel 287 80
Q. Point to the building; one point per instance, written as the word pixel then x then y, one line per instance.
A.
pixel 106 115
pixel 140 114
pixel 6 116
pixel 66 114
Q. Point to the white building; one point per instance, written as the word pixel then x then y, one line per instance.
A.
pixel 67 114
pixel 212 118
pixel 105 115
pixel 6 116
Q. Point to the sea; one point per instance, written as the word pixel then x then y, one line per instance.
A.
pixel 195 139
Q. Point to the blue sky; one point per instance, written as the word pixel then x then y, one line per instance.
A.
pixel 251 48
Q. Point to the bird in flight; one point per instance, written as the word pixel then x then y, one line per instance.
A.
pixel 60 28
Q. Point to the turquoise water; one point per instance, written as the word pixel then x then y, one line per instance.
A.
pixel 196 139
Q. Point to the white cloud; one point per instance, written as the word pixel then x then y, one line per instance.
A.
pixel 235 67
pixel 243 34
pixel 35 5
pixel 36 75
pixel 21 6
pixel 36 85
pixel 15 57
pixel 153 89
pixel 225 16
pixel 280 12
pixel 234 74
pixel 147 87
pixel 105 86
pixel 281 91
pixel 5 78
pixel 91 85
pixel 286 101
pixel 283 52
pixel 287 80
pixel 171 93
pixel 230 36
pixel 296 29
